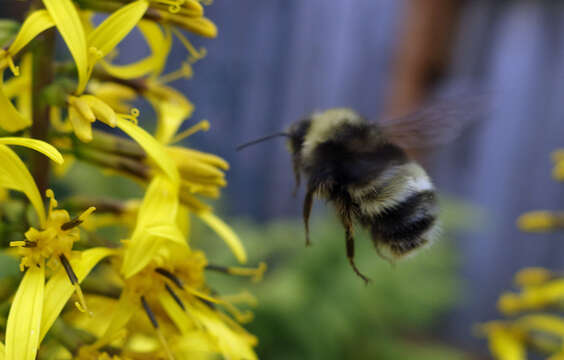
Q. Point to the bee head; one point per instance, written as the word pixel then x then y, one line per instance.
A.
pixel 296 135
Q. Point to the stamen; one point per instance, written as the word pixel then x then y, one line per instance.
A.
pixel 149 312
pixel 155 324
pixel 96 55
pixel 203 125
pixel 204 297
pixel 174 5
pixel 195 55
pixel 78 220
pixel 185 71
pixel 175 297
pixel 86 213
pixel 239 271
pixel 132 116
pixel 171 277
pixel 244 297
pixel 242 317
pixel 164 344
pixel 15 69
pixel 81 304
pixel 71 224
pixel 52 201
pixel 24 243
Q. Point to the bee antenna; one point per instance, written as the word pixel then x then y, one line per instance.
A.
pixel 241 147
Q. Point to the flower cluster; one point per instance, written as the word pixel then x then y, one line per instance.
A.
pixel 533 321
pixel 145 296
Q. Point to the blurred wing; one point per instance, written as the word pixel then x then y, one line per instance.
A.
pixel 436 123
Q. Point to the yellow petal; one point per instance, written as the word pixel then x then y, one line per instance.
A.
pixel 22 329
pixel 167 231
pixel 172 109
pixel 232 344
pixel 159 44
pixel 70 27
pixel 101 110
pixel 112 30
pixel 159 208
pixel 183 220
pixel 23 97
pixel 225 232
pixel 41 146
pixel 183 154
pixel 192 169
pixel 505 346
pixel 543 322
pixel 175 312
pixel 37 22
pixel 2 351
pixel 11 120
pixel 59 289
pixel 160 203
pixel 137 256
pixel 82 127
pixel 126 306
pixel 15 86
pixel 199 25
pixel 154 149
pixel 130 71
pixel 82 107
pixel 14 175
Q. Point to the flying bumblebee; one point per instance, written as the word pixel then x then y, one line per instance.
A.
pixel 362 168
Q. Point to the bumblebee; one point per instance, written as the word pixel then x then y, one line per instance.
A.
pixel 362 168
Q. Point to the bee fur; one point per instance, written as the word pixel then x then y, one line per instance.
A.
pixel 369 180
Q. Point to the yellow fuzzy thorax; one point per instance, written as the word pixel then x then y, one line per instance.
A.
pixel 324 124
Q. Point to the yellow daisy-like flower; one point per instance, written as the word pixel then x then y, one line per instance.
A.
pixel 86 109
pixel 39 21
pixel 165 306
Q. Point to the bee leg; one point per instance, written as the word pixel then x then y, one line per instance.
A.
pixel 298 178
pixel 347 223
pixel 308 203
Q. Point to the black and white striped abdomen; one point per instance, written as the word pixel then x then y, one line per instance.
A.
pixel 399 207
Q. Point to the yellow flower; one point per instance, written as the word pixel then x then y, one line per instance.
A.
pixel 540 221
pixel 87 51
pixel 532 276
pixel 532 298
pixel 115 95
pixel 18 88
pixel 36 304
pixel 84 110
pixel 172 109
pixel 159 42
pixel 505 343
pixel 37 22
pixel 14 174
pixel 171 291
pixel 155 150
pixel 156 223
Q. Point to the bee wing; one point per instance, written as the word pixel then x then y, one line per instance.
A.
pixel 436 123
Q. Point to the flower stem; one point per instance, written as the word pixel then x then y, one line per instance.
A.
pixel 42 76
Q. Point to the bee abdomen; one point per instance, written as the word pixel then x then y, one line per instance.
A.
pixel 408 225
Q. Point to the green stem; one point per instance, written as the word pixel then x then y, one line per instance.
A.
pixel 116 162
pixel 42 76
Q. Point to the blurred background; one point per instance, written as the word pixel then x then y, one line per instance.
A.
pixel 276 61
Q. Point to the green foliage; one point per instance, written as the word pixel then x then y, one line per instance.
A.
pixel 313 306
